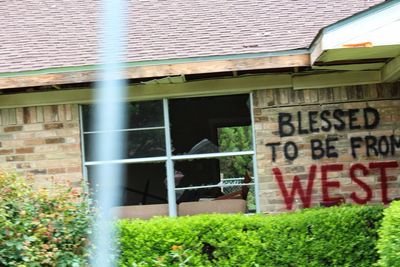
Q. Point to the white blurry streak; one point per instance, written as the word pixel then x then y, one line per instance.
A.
pixel 109 114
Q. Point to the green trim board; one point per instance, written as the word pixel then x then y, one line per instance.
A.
pixel 334 79
pixel 391 71
pixel 152 91
pixel 351 67
pixel 223 86
pixel 337 54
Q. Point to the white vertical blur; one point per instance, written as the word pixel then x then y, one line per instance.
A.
pixel 109 114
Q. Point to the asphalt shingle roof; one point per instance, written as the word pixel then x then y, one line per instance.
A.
pixel 40 34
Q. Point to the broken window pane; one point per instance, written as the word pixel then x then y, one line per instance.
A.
pixel 201 125
pixel 198 126
pixel 237 138
pixel 214 179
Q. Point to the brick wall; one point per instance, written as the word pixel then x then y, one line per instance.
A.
pixel 43 142
pixel 359 159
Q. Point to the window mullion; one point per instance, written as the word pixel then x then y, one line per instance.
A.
pixel 255 171
pixel 211 186
pixel 169 163
pixel 126 130
pixel 83 152
pixel 212 155
pixel 126 161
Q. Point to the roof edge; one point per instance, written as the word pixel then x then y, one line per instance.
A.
pixel 367 12
pixel 156 63
pixel 298 58
pixel 343 22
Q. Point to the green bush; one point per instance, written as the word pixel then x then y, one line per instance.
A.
pixel 337 236
pixel 41 227
pixel 389 237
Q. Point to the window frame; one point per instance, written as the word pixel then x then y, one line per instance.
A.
pixel 169 158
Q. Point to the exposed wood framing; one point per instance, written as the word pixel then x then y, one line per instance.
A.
pixel 271 62
pixel 153 91
pixel 391 71
pixel 222 86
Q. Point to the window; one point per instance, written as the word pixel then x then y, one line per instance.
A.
pixel 191 151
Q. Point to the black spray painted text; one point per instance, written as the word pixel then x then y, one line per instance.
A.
pixel 333 120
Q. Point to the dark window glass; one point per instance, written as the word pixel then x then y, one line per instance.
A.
pixel 132 144
pixel 143 183
pixel 139 115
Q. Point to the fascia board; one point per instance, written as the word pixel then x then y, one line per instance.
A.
pixel 362 27
pixel 378 26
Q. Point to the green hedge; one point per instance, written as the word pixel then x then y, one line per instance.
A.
pixel 337 236
pixel 389 237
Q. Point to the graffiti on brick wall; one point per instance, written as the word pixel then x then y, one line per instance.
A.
pixel 325 121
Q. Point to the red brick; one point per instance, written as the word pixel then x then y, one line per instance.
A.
pixel 55 170
pixel 33 127
pixel 24 150
pixel 38 171
pixel 51 126
pixel 57 140
pixel 12 129
pixel 389 178
pixel 24 165
pixel 74 169
pixel 34 142
pixel 71 125
pixel 6 151
pixel 34 157
pixel 15 158
pixel 70 147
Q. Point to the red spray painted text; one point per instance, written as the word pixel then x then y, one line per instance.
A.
pixel 355 172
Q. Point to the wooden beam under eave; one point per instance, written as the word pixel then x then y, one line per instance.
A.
pixel 325 80
pixel 142 92
pixel 391 70
pixel 271 62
